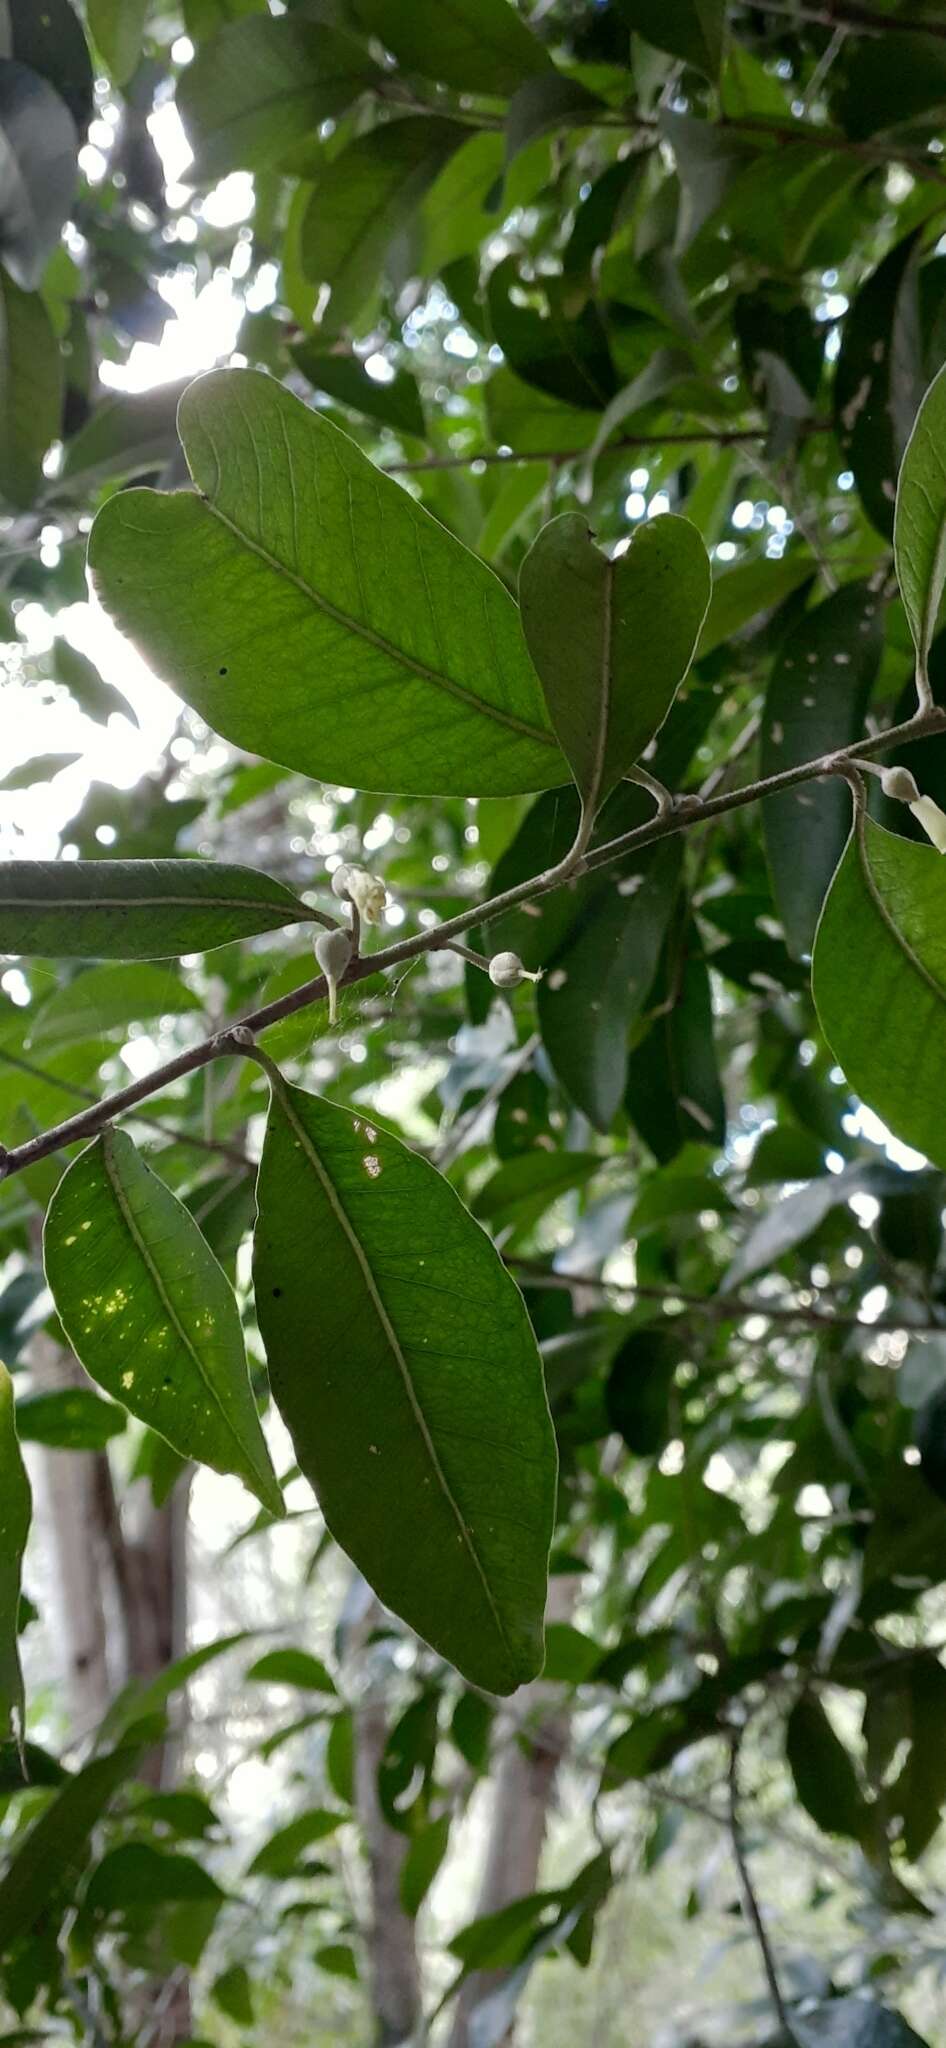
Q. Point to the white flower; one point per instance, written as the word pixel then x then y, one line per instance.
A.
pixel 928 814
pixel 506 971
pixel 367 892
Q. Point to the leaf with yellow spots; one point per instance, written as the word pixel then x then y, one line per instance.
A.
pixel 151 1314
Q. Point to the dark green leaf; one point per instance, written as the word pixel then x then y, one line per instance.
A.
pixel 30 392
pixel 879 379
pixel 544 103
pixel 340 1757
pixel 889 80
pixel 286 610
pixel 292 1667
pixel 136 1874
pixel 233 1993
pixel 639 1389
pixel 73 1420
pixel 473 45
pixel 690 29
pixel 612 639
pixel 919 537
pixel 49 39
pixel 816 702
pixel 338 1959
pixel 362 199
pixel 55 1847
pixel 674 1094
pixel 150 1313
pixel 280 1856
pixel 37 171
pixel 262 84
pixel 879 981
pixel 136 909
pixel 404 1366
pixel 394 403
pixel 15 1510
pixel 824 1775
pixel 422 1862
pixel 513 1199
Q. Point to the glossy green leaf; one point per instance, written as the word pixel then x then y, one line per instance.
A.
pixel 30 392
pixel 394 403
pixel 597 985
pixel 104 999
pixel 473 45
pixel 292 1667
pixel 264 603
pixel 117 27
pixel 402 1361
pixel 362 199
pixel 262 84
pixel 280 1856
pixel 15 1512
pixel 53 1851
pixel 612 639
pixel 879 981
pixel 919 534
pixel 74 1419
pixel 689 29
pixel 149 1312
pixel 136 909
pixel 816 702
pixel 37 171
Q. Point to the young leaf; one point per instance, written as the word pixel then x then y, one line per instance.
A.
pixel 149 1312
pixel 15 1508
pixel 612 639
pixel 403 1363
pixel 879 980
pixel 817 697
pixel 136 909
pixel 303 585
pixel 919 531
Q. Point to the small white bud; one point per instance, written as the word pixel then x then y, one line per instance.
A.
pixel 928 814
pixel 340 880
pixel 367 893
pixel 898 783
pixel 333 953
pixel 506 971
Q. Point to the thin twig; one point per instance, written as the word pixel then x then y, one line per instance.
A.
pixel 720 1307
pixel 728 438
pixel 753 1908
pixel 234 1039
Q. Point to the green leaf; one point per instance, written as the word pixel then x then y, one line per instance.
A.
pixel 521 1191
pixel 15 1511
pixel 137 1874
pixel 125 436
pixel 816 702
pixel 97 698
pixel 38 144
pixel 73 1420
pixel 30 392
pixel 136 909
pixel 233 1993
pixel 746 592
pixel 143 1700
pixel 690 29
pixel 879 981
pixel 600 980
pixel 425 1854
pixel 395 403
pixel 40 768
pixel 888 81
pixel 149 1312
pixel 340 1757
pixel 286 615
pixel 402 1360
pixel 674 1095
pixel 53 1851
pixel 473 45
pixel 338 1958
pixel 640 1384
pixel 789 1223
pixel 117 27
pixel 107 999
pixel 919 533
pixel 879 379
pixel 292 1667
pixel 566 356
pixel 362 199
pixel 824 1775
pixel 612 639
pixel 854 2022
pixel 544 103
pixel 261 85
pixel 280 1856
pixel 49 39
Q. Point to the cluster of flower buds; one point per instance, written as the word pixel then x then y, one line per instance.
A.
pixel 367 892
pixel 899 784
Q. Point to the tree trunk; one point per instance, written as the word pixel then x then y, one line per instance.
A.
pixel 392 1946
pixel 71 1485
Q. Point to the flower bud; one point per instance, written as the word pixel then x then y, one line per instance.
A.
pixel 898 783
pixel 340 880
pixel 333 953
pixel 933 820
pixel 506 971
pixel 367 893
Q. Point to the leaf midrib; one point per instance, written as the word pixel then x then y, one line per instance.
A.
pixel 280 1089
pixel 164 1297
pixel 477 705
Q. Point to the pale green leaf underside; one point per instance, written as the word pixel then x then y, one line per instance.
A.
pixel 313 613
pixel 136 909
pixel 150 1313
pixel 879 981
pixel 15 1508
pixel 612 639
pixel 919 533
pixel 402 1360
